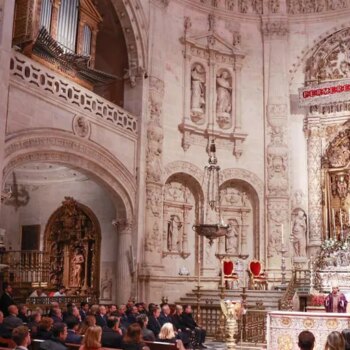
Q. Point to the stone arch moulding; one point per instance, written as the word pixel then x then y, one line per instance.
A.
pixel 135 29
pixel 61 147
pixel 258 186
pixel 183 167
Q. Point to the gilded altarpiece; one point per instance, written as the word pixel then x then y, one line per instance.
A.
pixel 72 240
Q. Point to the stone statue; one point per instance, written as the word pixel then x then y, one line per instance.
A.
pixel 299 233
pixel 106 286
pixel 173 238
pixel 197 93
pixel 77 268
pixel 224 99
pixel 232 237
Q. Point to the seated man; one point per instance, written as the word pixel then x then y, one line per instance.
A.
pixel 22 313
pixel 72 328
pixel 112 335
pixel 59 335
pixel 147 334
pixel 165 316
pixel 21 336
pixel 101 316
pixel 153 321
pixel 191 324
pixel 11 321
pixel 306 340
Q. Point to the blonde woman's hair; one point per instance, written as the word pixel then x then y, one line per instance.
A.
pixel 92 337
pixel 335 341
pixel 167 331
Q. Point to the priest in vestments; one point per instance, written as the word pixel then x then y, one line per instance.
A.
pixel 335 301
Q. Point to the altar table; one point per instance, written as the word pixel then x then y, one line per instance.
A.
pixel 283 328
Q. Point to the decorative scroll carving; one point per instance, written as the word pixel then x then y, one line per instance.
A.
pixel 212 65
pixel 275 28
pixel 23 69
pixel 277 157
pixel 338 153
pixel 309 6
pixel 330 59
pixel 72 239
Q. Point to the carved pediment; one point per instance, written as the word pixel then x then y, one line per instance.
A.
pixel 212 41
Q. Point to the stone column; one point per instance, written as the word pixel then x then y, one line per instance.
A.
pixel 314 151
pixel 154 163
pixel 275 30
pixel 124 265
pixel 6 24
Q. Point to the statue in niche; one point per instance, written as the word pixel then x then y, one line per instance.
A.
pixel 224 99
pixel 174 236
pixel 197 93
pixel 106 286
pixel 77 262
pixel 298 235
pixel 340 186
pixel 232 237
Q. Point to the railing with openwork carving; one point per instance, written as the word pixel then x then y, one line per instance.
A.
pixel 24 69
pixel 30 266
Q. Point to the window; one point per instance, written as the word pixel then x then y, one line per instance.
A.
pixel 86 41
pixel 45 16
pixel 30 237
pixel 68 24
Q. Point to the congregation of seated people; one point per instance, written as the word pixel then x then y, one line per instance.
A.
pixel 128 326
pixel 335 340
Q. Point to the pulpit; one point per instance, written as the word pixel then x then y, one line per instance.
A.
pixel 258 278
pixel 228 274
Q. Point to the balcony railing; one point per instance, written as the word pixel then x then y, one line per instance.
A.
pixel 26 70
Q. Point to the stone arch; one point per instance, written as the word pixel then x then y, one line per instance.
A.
pixel 257 186
pixel 133 22
pixel 180 166
pixel 63 148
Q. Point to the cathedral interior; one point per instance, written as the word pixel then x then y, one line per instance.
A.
pixel 138 161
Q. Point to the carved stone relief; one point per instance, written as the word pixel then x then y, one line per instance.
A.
pixel 212 68
pixel 299 232
pixel 106 287
pixel 81 126
pixel 330 59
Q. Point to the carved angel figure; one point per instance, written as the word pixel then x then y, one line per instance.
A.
pixel 299 233
pixel 231 309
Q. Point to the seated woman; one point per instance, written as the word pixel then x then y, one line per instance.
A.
pixel 89 321
pixel 92 339
pixel 44 328
pixel 133 339
pixel 335 341
pixel 167 334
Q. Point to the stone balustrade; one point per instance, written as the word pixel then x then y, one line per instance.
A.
pixel 24 69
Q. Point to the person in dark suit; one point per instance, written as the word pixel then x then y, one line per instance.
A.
pixel 84 309
pixel 56 315
pixel 147 334
pixel 101 316
pixel 165 316
pixel 11 321
pixel 6 298
pixel 179 326
pixel 72 328
pixel 153 321
pixel 22 313
pixel 134 312
pixel 21 336
pixel 112 335
pixel 59 335
pixel 190 323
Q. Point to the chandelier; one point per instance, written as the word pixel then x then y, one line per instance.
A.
pixel 212 226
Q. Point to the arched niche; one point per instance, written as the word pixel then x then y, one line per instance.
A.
pixel 182 208
pixel 72 242
pixel 240 208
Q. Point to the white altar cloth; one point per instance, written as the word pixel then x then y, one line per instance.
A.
pixel 283 328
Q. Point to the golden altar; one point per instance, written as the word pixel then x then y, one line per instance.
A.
pixel 283 328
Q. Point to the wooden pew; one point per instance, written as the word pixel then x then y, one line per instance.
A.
pixel 36 345
pixel 157 345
